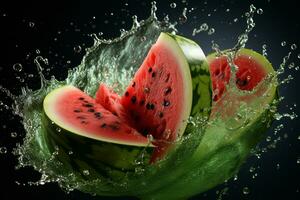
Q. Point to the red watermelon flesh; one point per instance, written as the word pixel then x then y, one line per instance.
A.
pixel 91 119
pixel 109 100
pixel 154 99
pixel 250 72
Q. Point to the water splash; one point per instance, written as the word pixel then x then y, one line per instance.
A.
pixel 101 65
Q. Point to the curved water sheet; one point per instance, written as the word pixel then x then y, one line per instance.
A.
pixel 114 63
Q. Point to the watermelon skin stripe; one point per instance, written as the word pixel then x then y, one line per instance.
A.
pixel 199 69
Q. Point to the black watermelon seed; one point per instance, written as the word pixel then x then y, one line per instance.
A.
pixel 97 115
pixel 133 84
pixel 80 117
pixel 148 106
pixel 153 74
pixel 146 90
pixel 85 101
pixel 150 70
pixel 77 110
pixel 142 102
pixel 114 113
pixel 152 106
pixel 81 98
pixel 160 114
pixel 168 90
pixel 83 122
pixel 91 110
pixel 126 93
pixel 89 105
pixel 241 82
pixel 166 103
pixel 133 99
pixel 103 125
pixel 168 77
pixel 114 127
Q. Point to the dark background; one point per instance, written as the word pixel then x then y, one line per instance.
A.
pixel 60 26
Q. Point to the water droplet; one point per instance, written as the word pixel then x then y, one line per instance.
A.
pixel 77 49
pixel 18 67
pixel 235 19
pixel 31 24
pixel 298 161
pixel 70 152
pixel 246 190
pixel 260 11
pixel 264 47
pixel 277 116
pixel 252 169
pixel 298 56
pixel 173 5
pixel 13 134
pixel 277 166
pixel 227 10
pixel 3 150
pixel 58 130
pixel 211 31
pixel 268 139
pixel 283 43
pixel 293 46
pixel 37 51
pixel 204 27
pixel 291 65
pixel 297 68
pixel 298 137
pixel 143 38
pixel 235 178
pixel 150 138
pixel 183 17
pixel 21 80
pixel 86 172
pixel 254 175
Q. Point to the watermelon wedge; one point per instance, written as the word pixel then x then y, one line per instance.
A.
pixel 238 121
pixel 113 132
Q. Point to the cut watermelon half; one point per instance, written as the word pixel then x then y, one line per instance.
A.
pixel 249 73
pixel 113 130
pixel 238 121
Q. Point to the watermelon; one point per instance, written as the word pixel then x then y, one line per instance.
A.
pixel 238 121
pixel 159 98
pixel 112 132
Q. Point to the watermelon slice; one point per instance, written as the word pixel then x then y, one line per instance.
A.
pixel 159 97
pixel 112 131
pixel 238 121
pixel 83 129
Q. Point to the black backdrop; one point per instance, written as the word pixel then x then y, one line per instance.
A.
pixel 54 28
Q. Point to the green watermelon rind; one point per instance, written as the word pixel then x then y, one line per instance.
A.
pixel 220 155
pixel 87 150
pixel 200 74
